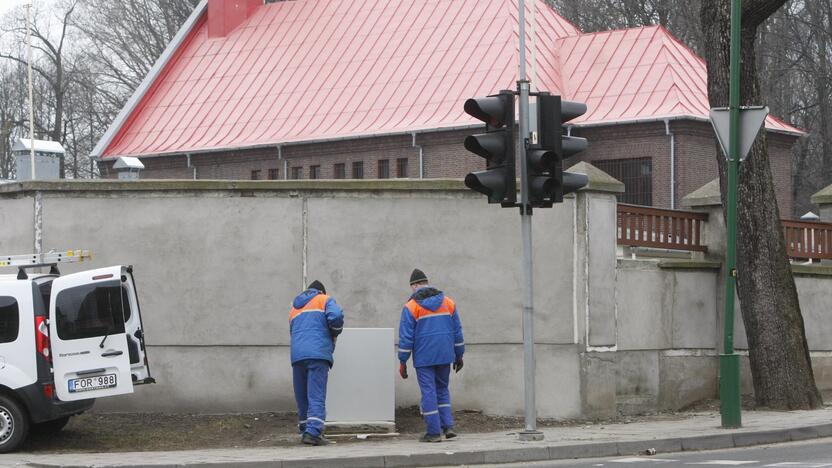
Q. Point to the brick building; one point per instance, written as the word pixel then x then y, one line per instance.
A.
pixel 322 89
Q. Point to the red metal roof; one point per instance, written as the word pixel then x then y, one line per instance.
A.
pixel 309 70
pixel 637 74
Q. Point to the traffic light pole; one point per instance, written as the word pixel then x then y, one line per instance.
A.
pixel 523 86
pixel 729 361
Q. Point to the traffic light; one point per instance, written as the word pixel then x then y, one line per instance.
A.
pixel 547 182
pixel 497 146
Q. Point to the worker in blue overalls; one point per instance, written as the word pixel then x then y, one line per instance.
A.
pixel 315 322
pixel 431 330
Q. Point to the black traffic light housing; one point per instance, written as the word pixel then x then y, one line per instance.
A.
pixel 497 146
pixel 547 182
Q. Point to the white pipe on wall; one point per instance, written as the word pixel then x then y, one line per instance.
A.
pixel 672 163
pixel 421 157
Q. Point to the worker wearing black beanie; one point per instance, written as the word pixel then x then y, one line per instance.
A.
pixel 430 330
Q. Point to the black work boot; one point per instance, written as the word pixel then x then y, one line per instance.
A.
pixel 431 438
pixel 309 439
pixel 449 432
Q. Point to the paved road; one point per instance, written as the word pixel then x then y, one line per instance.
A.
pixel 813 454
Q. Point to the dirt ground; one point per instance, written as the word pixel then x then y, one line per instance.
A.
pixel 96 432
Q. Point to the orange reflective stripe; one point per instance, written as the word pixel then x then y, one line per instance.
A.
pixel 316 304
pixel 450 305
pixel 418 312
pixel 413 308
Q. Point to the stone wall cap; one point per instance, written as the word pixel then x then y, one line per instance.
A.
pixel 599 180
pixel 707 195
pixel 824 197
pixel 115 185
pixel 811 270
pixel 690 264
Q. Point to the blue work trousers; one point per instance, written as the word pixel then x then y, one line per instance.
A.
pixel 436 399
pixel 309 377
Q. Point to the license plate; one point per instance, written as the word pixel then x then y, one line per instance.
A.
pixel 88 384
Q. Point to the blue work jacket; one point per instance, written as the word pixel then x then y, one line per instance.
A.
pixel 430 329
pixel 314 322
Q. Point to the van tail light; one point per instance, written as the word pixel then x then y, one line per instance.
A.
pixel 42 338
pixel 49 391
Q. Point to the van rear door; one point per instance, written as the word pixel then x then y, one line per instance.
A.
pixel 139 366
pixel 90 351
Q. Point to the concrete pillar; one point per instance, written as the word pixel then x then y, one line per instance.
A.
pixel 594 289
pixel 824 201
pixel 707 199
pixel 714 234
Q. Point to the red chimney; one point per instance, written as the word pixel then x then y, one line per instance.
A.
pixel 225 15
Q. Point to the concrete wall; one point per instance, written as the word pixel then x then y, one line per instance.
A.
pixel 218 263
pixel 17 221
pixel 669 331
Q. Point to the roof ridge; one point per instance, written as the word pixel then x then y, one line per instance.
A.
pixel 608 31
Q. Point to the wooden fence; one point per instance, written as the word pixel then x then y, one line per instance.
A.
pixel 643 226
pixel 806 240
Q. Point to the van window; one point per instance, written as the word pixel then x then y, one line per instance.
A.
pixel 9 319
pixel 90 310
pixel 126 304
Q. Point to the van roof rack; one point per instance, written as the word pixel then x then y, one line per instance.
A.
pixel 50 259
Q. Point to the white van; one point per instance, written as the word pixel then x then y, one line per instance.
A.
pixel 64 341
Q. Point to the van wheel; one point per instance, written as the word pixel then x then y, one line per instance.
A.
pixel 50 427
pixel 14 425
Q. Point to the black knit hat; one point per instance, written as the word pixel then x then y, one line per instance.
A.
pixel 317 285
pixel 418 276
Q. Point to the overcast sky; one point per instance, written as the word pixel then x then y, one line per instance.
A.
pixel 6 5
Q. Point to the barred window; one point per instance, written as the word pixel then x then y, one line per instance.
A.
pixel 314 172
pixel 340 171
pixel 637 176
pixel 383 168
pixel 401 168
pixel 255 175
pixel 297 173
pixel 274 174
pixel 358 170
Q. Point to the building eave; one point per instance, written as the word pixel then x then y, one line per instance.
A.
pixel 285 144
pixel 658 119
pixel 148 81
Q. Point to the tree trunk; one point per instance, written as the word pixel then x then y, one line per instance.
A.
pixel 781 368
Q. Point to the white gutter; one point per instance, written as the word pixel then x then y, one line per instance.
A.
pixel 698 118
pixel 672 163
pixel 421 157
pixel 358 136
pixel 137 96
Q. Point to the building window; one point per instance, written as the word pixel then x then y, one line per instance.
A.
pixel 401 168
pixel 274 174
pixel 340 171
pixel 9 319
pixel 255 175
pixel 314 172
pixel 297 173
pixel 637 176
pixel 383 168
pixel 358 170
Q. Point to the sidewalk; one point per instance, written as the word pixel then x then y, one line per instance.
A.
pixel 698 432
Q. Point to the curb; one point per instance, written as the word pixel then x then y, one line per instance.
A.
pixel 532 453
